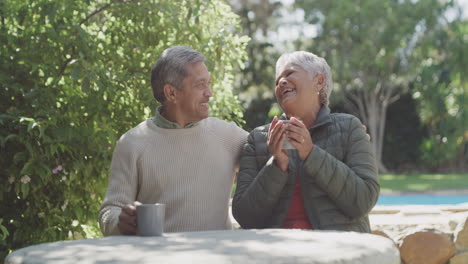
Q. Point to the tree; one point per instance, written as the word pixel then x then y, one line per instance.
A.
pixel 74 75
pixel 256 82
pixel 369 46
pixel 440 90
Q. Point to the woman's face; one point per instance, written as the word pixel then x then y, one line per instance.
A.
pixel 296 90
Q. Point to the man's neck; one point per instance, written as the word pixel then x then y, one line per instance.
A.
pixel 172 115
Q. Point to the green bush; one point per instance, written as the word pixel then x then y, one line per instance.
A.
pixel 74 76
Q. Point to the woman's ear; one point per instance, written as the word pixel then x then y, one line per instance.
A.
pixel 170 93
pixel 320 81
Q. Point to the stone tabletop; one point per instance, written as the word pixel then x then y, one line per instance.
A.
pixel 232 246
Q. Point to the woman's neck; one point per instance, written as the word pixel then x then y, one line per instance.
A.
pixel 308 117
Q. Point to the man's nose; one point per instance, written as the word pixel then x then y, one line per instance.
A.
pixel 208 92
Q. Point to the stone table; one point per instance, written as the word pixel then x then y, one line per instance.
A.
pixel 231 246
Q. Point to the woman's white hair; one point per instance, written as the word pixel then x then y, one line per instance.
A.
pixel 313 65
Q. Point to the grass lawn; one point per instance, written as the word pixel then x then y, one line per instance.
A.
pixel 423 182
pixel 418 182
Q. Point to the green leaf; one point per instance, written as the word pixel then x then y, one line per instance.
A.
pixel 76 72
pixel 24 190
pixel 85 85
pixel 4 231
pixel 28 167
pixel 32 125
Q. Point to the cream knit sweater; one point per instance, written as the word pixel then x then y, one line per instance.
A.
pixel 191 170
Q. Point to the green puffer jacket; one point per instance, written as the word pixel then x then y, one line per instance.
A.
pixel 338 179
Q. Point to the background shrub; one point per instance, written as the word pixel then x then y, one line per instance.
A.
pixel 74 76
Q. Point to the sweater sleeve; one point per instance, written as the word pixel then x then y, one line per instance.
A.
pixel 239 139
pixel 258 189
pixel 122 189
pixel 351 183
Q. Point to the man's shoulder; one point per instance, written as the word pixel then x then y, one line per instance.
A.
pixel 225 129
pixel 140 131
pixel 216 123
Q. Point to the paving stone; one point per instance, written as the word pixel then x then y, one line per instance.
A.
pixel 461 258
pixel 461 233
pixel 427 247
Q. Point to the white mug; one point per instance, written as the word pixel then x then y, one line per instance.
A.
pixel 150 219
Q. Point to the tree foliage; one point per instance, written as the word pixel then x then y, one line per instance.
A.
pixel 74 75
pixel 370 47
pixel 256 82
pixel 441 92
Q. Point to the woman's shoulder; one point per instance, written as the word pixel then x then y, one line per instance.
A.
pixel 341 116
pixel 260 129
pixel 346 123
pixel 259 134
pixel 344 118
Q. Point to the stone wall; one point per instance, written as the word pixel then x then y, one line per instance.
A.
pixel 425 234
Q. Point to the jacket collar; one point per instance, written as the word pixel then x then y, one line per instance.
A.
pixel 323 117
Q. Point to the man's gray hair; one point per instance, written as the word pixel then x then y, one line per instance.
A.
pixel 313 65
pixel 171 68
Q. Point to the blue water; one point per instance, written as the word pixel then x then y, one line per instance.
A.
pixel 421 199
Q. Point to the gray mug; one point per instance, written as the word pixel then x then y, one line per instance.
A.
pixel 287 144
pixel 150 219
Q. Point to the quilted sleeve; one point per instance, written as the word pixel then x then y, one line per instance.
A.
pixel 351 183
pixel 258 188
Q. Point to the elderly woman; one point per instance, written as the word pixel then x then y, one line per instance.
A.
pixel 328 180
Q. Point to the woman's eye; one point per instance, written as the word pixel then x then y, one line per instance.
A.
pixel 284 76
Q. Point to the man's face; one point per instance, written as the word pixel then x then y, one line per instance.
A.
pixel 195 94
pixel 295 89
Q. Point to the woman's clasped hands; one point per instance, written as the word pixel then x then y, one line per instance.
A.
pixel 295 132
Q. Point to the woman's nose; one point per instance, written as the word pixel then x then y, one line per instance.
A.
pixel 283 81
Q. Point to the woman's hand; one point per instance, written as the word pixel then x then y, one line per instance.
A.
pixel 299 137
pixel 276 138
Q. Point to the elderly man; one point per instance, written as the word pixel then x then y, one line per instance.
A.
pixel 328 180
pixel 180 157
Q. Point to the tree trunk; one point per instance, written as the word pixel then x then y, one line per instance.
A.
pixel 371 107
pixel 375 112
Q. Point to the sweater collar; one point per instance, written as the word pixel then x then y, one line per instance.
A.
pixel 162 122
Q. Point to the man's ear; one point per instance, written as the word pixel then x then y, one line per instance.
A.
pixel 170 93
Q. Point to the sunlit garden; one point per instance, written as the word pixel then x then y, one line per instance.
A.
pixel 75 76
